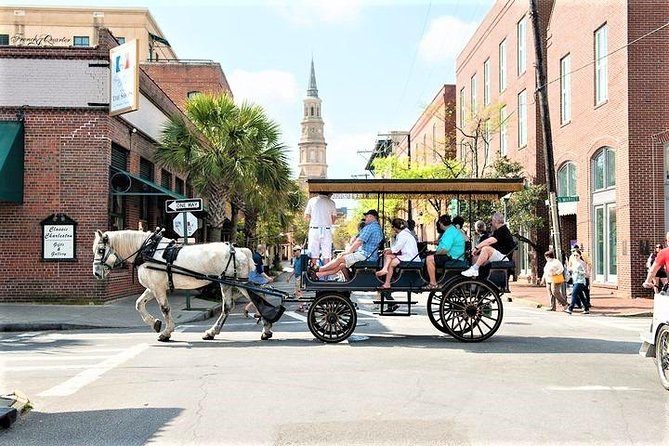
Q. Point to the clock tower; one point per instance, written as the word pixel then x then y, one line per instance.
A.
pixel 312 161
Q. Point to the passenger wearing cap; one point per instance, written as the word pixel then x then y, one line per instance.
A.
pixel 365 247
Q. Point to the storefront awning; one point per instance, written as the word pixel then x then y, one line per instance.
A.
pixel 11 161
pixel 126 183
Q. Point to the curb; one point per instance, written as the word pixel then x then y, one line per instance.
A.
pixel 639 314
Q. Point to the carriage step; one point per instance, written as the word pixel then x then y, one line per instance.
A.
pixel 393 302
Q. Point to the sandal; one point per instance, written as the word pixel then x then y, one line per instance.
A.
pixel 432 287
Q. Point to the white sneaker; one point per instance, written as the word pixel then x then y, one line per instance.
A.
pixel 471 272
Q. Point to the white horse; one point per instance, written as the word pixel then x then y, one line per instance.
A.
pixel 113 248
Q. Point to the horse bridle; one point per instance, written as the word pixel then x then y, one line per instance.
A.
pixel 104 250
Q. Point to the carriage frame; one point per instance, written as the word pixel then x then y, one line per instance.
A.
pixel 468 309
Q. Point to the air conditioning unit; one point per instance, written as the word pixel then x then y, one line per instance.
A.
pixel 98 14
pixel 19 13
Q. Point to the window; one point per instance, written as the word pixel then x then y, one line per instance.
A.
pixel 146 171
pixel 503 132
pixel 565 89
pixel 318 111
pixel 311 111
pixel 121 40
pixel 601 65
pixel 192 94
pixel 179 186
pixel 117 204
pixel 4 39
pixel 486 83
pixel 472 99
pixel 119 158
pixel 81 41
pixel 522 118
pixel 462 108
pixel 189 189
pixel 604 169
pixel 502 66
pixel 166 179
pixel 521 54
pixel 566 186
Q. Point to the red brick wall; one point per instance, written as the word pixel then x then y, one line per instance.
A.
pixel 178 79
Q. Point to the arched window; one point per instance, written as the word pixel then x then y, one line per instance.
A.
pixel 604 230
pixel 312 111
pixel 566 186
pixel 318 111
pixel 604 169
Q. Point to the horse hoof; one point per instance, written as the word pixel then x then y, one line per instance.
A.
pixel 208 337
pixel 163 338
pixel 265 336
pixel 157 325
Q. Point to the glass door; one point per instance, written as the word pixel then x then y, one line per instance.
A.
pixel 606 244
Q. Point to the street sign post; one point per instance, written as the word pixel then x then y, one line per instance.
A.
pixel 185 225
pixel 567 199
pixel 187 205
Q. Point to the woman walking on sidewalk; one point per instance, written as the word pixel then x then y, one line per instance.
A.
pixel 554 278
pixel 578 268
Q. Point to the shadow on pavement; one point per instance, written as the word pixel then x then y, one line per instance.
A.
pixel 132 426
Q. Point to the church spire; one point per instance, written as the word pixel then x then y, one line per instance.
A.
pixel 312 91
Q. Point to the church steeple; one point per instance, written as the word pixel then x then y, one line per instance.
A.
pixel 312 91
pixel 312 145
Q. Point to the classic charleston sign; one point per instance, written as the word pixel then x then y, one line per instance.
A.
pixel 124 81
pixel 59 238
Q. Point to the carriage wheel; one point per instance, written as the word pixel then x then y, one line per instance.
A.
pixel 434 310
pixel 332 318
pixel 471 311
pixel 662 355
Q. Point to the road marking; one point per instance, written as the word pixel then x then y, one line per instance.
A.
pixel 294 315
pixel 54 358
pixel 54 352
pixel 89 375
pixel 592 388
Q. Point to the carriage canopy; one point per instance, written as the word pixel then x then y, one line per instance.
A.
pixel 471 188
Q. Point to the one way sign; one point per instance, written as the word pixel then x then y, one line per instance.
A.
pixel 189 205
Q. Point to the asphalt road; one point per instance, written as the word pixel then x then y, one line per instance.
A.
pixel 544 378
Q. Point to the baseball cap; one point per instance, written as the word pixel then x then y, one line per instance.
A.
pixel 372 212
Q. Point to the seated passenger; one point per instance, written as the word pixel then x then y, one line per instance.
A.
pixel 451 247
pixel 493 249
pixel 404 249
pixel 365 247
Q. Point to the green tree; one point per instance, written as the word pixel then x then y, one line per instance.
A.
pixel 231 154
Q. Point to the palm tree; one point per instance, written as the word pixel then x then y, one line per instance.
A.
pixel 231 154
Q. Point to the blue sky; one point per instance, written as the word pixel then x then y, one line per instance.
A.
pixel 378 63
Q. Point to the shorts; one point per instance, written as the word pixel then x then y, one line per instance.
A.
pixel 444 260
pixel 497 256
pixel 355 257
pixel 320 243
pixel 257 278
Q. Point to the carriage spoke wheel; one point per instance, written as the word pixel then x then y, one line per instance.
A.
pixel 471 311
pixel 434 310
pixel 332 318
pixel 662 355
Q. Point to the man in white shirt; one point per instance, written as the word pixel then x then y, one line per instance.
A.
pixel 321 213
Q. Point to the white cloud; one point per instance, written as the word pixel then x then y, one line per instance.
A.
pixel 342 153
pixel 445 38
pixel 312 12
pixel 267 88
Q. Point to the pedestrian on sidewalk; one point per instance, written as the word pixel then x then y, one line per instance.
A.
pixel 578 268
pixel 554 279
pixel 297 271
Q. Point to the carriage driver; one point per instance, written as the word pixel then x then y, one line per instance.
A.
pixel 365 247
pixel 493 248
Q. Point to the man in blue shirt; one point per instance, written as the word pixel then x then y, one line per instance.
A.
pixel 365 247
pixel 451 247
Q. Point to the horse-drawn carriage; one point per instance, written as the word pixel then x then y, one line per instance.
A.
pixel 655 341
pixel 469 309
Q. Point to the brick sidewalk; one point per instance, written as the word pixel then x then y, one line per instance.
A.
pixel 604 301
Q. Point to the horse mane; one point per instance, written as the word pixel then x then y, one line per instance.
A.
pixel 126 242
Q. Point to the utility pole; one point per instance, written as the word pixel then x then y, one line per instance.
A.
pixel 409 213
pixel 542 93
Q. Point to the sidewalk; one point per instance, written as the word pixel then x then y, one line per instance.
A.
pixel 117 314
pixel 604 301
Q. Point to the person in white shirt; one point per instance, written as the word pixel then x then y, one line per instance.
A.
pixel 404 249
pixel 321 213
pixel 554 278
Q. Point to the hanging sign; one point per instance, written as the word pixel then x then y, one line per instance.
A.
pixel 124 82
pixel 59 235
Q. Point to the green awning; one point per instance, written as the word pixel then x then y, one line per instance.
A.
pixel 126 183
pixel 11 161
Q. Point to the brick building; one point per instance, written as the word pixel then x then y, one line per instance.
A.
pixel 606 66
pixel 79 163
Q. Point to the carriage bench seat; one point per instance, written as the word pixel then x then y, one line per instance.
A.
pixel 411 265
pixel 373 264
pixel 504 264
